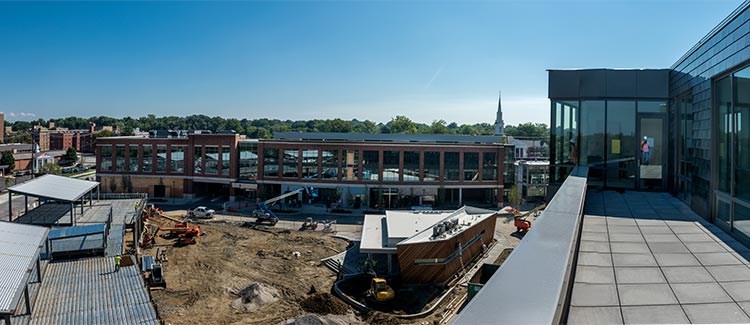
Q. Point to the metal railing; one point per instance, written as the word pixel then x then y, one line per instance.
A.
pixel 121 196
pixel 533 285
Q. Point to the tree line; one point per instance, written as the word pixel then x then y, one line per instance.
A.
pixel 264 128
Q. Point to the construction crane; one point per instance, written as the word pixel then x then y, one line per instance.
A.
pixel 522 225
pixel 263 213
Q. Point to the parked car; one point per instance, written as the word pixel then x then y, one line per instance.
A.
pixel 201 213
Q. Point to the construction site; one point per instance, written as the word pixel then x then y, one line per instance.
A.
pixel 120 260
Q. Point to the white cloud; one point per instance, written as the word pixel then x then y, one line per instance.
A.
pixel 20 115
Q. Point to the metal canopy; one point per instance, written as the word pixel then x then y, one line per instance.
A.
pixel 19 250
pixel 55 187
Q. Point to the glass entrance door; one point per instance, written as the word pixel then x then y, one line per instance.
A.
pixel 651 152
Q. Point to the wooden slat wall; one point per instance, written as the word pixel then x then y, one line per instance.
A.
pixel 440 273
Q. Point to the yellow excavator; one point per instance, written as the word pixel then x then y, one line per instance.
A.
pixel 380 291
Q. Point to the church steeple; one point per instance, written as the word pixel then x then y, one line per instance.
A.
pixel 499 124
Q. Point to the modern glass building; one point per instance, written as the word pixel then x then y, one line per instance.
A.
pixel 683 129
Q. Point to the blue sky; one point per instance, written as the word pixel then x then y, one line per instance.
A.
pixel 304 60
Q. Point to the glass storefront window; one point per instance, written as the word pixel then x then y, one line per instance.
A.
pixel 248 160
pixel 489 166
pixel 147 158
pixel 411 166
pixel 370 165
pixel 310 163
pixel 177 159
pixel 291 163
pixel 450 166
pixel 133 158
pixel 471 166
pixel 652 107
pixel 591 143
pixel 351 165
pixel 120 158
pixel 271 162
pixel 330 163
pixel 431 166
pixel 198 160
pixel 225 160
pixel 742 219
pixel 742 118
pixel 564 138
pixel 725 126
pixel 212 160
pixel 622 144
pixel 105 163
pixel 391 165
pixel 161 158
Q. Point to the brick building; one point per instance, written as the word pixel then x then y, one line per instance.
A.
pixel 384 170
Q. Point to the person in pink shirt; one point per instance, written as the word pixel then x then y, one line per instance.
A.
pixel 645 150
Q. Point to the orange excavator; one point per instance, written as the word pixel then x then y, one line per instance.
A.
pixel 519 221
pixel 182 230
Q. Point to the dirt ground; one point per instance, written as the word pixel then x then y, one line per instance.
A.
pixel 199 277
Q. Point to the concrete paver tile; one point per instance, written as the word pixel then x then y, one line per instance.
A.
pixel 687 274
pixel 629 248
pixel 668 259
pixel 645 294
pixel 594 246
pixel 710 259
pixel 627 238
pixel 626 275
pixel 673 248
pixel 739 290
pixel 586 294
pixel 724 273
pixel 667 314
pixel 594 315
pixel 694 293
pixel 595 259
pixel 711 247
pixel 595 274
pixel 723 313
pixel 624 260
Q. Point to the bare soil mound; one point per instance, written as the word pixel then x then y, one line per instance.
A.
pixel 324 303
pixel 254 296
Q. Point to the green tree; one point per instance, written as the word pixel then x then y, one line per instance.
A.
pixel 50 168
pixel 8 159
pixel 528 129
pixel 104 134
pixel 439 127
pixel 514 197
pixel 71 156
pixel 127 130
pixel 112 185
pixel 401 124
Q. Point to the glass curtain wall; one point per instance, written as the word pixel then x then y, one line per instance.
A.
pixel 310 163
pixel 564 138
pixel 591 142
pixel 212 160
pixel 133 158
pixel 120 158
pixel 489 166
pixel 684 107
pixel 622 151
pixel 411 166
pixel 270 162
pixel 370 165
pixel 105 154
pixel 161 158
pixel 225 160
pixel 290 163
pixel 330 163
pixel 733 151
pixel 391 165
pixel 451 166
pixel 248 160
pixel 431 166
pixel 471 166
pixel 147 158
pixel 198 160
pixel 177 159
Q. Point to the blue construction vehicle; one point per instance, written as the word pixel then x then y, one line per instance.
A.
pixel 263 213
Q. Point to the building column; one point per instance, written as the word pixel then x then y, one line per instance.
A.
pixel 10 206
pixel 38 268
pixel 232 193
pixel 460 196
pixel 390 264
pixel 72 214
pixel 27 300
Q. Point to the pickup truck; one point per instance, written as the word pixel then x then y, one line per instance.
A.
pixel 201 213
